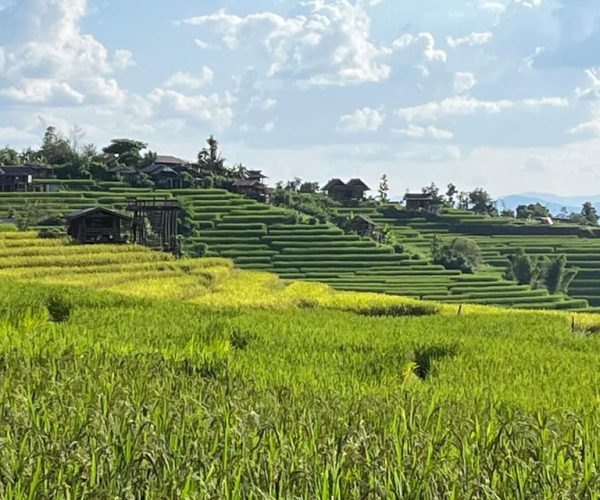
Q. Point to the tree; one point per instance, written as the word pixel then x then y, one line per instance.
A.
pixel 556 277
pixel 462 254
pixel 524 269
pixel 125 152
pixel 9 156
pixel 451 193
pixel 56 149
pixel 294 184
pixel 384 189
pixel 481 202
pixel 507 212
pixel 309 187
pixel 590 214
pixel 210 160
pixel 433 191
pixel 532 211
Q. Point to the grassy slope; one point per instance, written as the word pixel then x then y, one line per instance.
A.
pixel 199 399
pixel 257 236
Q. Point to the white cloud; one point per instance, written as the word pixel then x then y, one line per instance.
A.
pixel 470 40
pixel 269 103
pixel 326 43
pixel 123 59
pixel 362 120
pixel 185 80
pixel 39 90
pixel 166 103
pixel 463 82
pixel 467 105
pixel 529 3
pixel 493 7
pixel 45 53
pixel 416 132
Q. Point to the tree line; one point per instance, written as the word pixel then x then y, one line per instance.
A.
pixel 74 159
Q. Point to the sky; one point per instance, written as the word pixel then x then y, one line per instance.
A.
pixel 499 94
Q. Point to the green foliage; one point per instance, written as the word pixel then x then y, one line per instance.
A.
pixel 59 308
pixel 589 213
pixel 481 202
pixel 384 189
pixel 532 211
pixel 523 268
pixel 557 278
pixel 8 228
pixel 549 272
pixel 462 254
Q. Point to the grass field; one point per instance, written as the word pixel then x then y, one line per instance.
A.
pixel 126 374
pixel 260 237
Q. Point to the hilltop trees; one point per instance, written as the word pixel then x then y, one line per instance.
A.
pixel 462 254
pixel 549 272
pixel 481 202
pixel 384 189
pixel 532 211
pixel 589 213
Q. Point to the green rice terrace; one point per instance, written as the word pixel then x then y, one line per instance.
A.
pixel 262 237
pixel 128 373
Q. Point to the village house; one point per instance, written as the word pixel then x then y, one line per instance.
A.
pixel 164 176
pixel 416 202
pixel 366 227
pixel 353 190
pixel 14 178
pixel 253 186
pixel 97 225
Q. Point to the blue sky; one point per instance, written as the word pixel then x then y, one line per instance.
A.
pixel 503 94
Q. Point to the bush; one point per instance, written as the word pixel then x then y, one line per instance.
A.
pixel 397 310
pixel 8 228
pixel 59 309
pixel 461 254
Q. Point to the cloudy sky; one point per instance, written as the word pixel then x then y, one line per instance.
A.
pixel 503 94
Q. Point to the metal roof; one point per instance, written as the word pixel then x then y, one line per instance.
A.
pixel 418 196
pixel 92 210
pixel 169 160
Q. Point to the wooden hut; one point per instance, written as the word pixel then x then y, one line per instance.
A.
pixel 353 190
pixel 253 186
pixel 97 225
pixel 420 202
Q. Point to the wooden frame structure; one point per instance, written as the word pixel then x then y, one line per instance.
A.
pixel 155 223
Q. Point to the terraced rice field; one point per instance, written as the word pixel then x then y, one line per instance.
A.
pixel 260 237
pixel 582 253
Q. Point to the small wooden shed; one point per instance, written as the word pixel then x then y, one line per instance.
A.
pixel 98 225
pixel 420 201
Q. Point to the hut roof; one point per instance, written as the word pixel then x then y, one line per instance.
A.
pixel 334 183
pixel 169 160
pixel 255 174
pixel 248 183
pixel 357 183
pixel 93 210
pixel 11 170
pixel 418 196
pixel 157 169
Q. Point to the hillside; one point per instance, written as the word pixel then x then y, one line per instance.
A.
pixel 261 237
pixel 127 371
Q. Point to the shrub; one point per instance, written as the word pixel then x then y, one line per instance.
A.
pixel 59 309
pixel 8 228
pixel 461 254
pixel 397 310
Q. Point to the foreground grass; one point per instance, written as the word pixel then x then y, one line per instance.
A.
pixel 130 375
pixel 137 397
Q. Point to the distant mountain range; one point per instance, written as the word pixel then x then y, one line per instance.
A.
pixel 553 202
